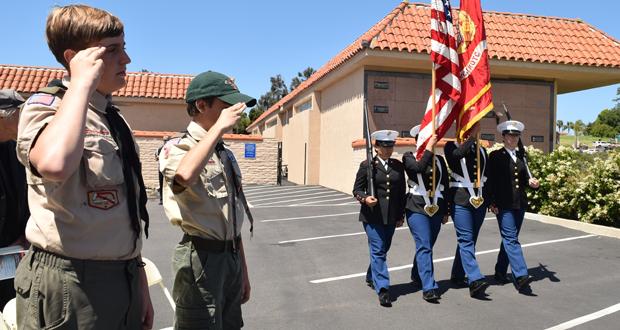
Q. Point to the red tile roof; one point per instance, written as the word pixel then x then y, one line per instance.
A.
pixel 28 79
pixel 515 37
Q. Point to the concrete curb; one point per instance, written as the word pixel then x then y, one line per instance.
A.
pixel 577 225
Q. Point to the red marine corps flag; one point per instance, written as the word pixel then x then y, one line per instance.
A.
pixel 476 100
pixel 446 85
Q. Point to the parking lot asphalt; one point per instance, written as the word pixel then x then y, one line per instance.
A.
pixel 309 253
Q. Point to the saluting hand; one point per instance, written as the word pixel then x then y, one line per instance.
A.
pixel 86 67
pixel 533 182
pixel 370 201
pixel 230 116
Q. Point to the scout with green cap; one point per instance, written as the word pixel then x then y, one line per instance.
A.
pixel 202 194
pixel 211 83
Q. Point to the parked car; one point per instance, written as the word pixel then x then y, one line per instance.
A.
pixel 601 144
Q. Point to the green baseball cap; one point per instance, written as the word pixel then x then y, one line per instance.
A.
pixel 211 83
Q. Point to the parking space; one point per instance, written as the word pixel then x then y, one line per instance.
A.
pixel 309 254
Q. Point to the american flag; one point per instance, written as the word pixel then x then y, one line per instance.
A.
pixel 447 71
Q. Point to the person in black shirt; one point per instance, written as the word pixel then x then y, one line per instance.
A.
pixel 425 212
pixel 382 213
pixel 469 204
pixel 508 177
pixel 14 211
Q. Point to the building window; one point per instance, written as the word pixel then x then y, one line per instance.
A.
pixel 538 138
pixel 488 137
pixel 285 118
pixel 405 134
pixel 304 106
pixel 382 85
pixel 271 124
pixel 381 109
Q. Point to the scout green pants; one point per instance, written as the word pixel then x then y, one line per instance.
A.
pixel 54 292
pixel 207 288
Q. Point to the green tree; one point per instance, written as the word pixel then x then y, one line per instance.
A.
pixel 578 128
pixel 560 124
pixel 276 92
pixel 301 77
pixel 242 124
pixel 602 130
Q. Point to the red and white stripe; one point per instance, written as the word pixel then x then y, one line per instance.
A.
pixel 447 70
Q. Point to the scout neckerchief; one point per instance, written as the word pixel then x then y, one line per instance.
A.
pixel 234 186
pixel 132 168
pixel 420 190
pixel 465 182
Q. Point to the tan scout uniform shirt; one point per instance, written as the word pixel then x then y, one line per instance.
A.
pixel 86 216
pixel 202 208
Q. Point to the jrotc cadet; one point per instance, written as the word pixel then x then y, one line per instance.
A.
pixel 508 177
pixel 204 197
pixel 381 214
pixel 425 212
pixel 85 188
pixel 468 208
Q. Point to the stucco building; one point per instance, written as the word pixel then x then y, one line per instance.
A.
pixel 532 59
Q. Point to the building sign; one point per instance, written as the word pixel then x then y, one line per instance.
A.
pixel 538 138
pixel 250 150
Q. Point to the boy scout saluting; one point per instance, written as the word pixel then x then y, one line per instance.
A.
pixel 85 189
pixel 203 196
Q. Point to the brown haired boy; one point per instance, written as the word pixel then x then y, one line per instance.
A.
pixel 86 192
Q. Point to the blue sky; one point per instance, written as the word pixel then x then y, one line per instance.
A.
pixel 253 40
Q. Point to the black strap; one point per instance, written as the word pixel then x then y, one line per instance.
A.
pixel 131 168
pixel 234 188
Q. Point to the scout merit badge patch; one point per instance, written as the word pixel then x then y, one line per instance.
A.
pixel 103 199
pixel 41 98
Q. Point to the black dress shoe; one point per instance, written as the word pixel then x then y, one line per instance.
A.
pixel 523 282
pixel 459 282
pixel 370 284
pixel 501 278
pixel 477 288
pixel 384 298
pixel 431 295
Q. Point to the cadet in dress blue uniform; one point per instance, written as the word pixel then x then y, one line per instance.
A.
pixel 381 214
pixel 425 213
pixel 468 208
pixel 508 177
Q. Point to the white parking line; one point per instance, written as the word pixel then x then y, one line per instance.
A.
pixel 310 205
pixel 351 234
pixel 586 318
pixel 330 236
pixel 310 217
pixel 344 277
pixel 298 199
pixel 284 192
pixel 284 188
pixel 329 200
pixel 289 195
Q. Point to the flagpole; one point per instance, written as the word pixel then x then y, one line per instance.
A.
pixel 434 123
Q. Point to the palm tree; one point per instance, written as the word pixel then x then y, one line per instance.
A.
pixel 578 128
pixel 560 125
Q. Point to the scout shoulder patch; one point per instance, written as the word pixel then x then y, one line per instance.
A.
pixel 103 199
pixel 42 99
